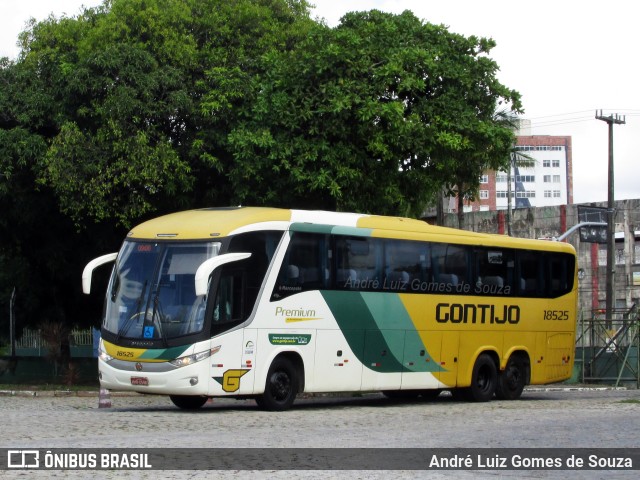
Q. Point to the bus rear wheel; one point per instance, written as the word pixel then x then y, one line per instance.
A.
pixel 281 386
pixel 483 380
pixel 511 382
pixel 188 402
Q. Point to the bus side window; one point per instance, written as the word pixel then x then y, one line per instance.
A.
pixel 530 268
pixel 560 274
pixel 451 263
pixel 495 271
pixel 228 308
pixel 306 266
pixel 359 263
pixel 405 261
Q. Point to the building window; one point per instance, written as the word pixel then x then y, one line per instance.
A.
pixel 525 178
pixel 539 148
pixel 503 194
pixel 546 163
pixel 526 194
pixel 546 179
pixel 547 194
pixel 556 179
pixel 484 194
pixel 501 177
pixel 556 163
pixel 556 194
pixel 484 178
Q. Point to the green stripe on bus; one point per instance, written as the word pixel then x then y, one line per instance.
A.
pixel 310 228
pixel 379 352
pixel 164 353
pixel 382 323
pixel 399 331
pixel 330 229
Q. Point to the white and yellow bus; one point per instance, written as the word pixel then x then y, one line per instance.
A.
pixel 267 303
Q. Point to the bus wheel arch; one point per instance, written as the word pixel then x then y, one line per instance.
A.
pixel 514 377
pixel 284 380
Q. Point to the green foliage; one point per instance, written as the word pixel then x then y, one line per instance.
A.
pixel 136 98
pixel 374 115
pixel 139 107
pixel 107 118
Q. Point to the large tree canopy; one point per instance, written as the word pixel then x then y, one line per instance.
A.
pixel 120 113
pixel 141 94
pixel 375 115
pixel 140 107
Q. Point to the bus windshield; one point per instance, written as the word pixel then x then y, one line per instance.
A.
pixel 152 290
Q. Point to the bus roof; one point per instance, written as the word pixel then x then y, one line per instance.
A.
pixel 211 223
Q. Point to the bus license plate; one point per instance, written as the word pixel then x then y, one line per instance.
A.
pixel 144 381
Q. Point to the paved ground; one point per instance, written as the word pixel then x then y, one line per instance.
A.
pixel 553 418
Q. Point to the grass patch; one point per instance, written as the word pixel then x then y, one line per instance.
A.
pixel 631 400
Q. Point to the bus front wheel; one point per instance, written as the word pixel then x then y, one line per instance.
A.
pixel 188 402
pixel 281 386
pixel 483 380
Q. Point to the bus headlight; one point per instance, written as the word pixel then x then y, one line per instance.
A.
pixel 190 359
pixel 104 356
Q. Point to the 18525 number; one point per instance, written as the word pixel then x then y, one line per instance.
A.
pixel 556 315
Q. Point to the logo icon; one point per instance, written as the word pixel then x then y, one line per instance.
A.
pixel 23 459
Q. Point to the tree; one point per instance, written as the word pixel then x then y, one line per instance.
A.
pixel 494 150
pixel 118 114
pixel 143 94
pixel 374 115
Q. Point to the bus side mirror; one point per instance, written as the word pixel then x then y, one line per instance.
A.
pixel 91 266
pixel 207 267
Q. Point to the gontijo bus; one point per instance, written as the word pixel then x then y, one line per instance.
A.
pixel 267 303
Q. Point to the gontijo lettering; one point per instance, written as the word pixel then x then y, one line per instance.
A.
pixel 481 313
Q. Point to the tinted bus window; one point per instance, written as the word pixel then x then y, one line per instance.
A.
pixel 359 263
pixel 307 265
pixel 494 271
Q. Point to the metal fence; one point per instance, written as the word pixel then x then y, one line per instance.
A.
pixel 609 348
pixel 33 338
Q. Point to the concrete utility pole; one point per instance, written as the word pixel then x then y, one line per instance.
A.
pixel 611 261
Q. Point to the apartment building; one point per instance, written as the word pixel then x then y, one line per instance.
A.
pixel 541 176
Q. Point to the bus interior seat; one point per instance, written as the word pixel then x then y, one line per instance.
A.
pixel 293 275
pixel 450 278
pixel 398 277
pixel 493 281
pixel 529 285
pixel 346 275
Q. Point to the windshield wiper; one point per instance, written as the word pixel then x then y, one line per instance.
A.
pixel 157 322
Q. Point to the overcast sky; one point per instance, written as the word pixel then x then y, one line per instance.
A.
pixel 568 58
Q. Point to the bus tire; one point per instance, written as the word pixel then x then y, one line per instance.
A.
pixel 188 402
pixel 281 387
pixel 512 380
pixel 484 380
